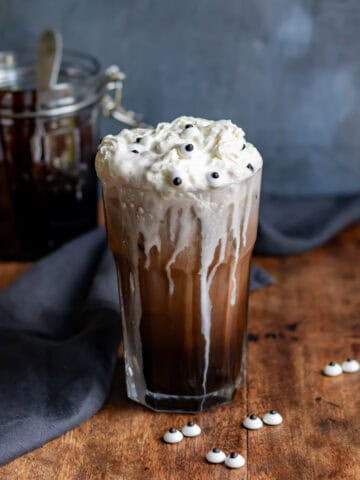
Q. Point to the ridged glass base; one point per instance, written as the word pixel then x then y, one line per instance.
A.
pixel 190 404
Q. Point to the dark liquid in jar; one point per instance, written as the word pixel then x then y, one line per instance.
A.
pixel 48 190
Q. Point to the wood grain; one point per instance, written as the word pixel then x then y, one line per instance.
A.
pixel 309 317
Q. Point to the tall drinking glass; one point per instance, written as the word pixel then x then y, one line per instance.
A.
pixel 183 264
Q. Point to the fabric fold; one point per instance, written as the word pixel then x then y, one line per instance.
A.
pixel 58 346
pixel 289 225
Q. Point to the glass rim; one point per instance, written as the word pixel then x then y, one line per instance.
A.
pixel 181 193
pixel 24 61
pixel 78 83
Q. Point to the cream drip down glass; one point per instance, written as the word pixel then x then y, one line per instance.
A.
pixel 181 205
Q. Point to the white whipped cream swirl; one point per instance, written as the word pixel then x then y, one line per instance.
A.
pixel 187 155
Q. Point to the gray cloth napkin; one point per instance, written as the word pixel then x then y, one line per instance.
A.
pixel 291 225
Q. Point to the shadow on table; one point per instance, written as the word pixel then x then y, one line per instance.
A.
pixel 118 395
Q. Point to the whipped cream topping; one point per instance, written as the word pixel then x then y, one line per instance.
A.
pixel 187 155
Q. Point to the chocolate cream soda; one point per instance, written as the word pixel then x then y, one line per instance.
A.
pixel 181 206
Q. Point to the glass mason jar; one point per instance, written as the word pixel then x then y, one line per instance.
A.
pixel 48 140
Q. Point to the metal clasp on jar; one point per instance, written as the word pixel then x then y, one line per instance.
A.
pixel 111 102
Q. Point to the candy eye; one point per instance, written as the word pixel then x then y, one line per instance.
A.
pixel 177 177
pixel 234 460
pixel 187 149
pixel 172 436
pixel 191 429
pixel 272 418
pixel 252 422
pixel 332 369
pixel 177 181
pixel 214 179
pixel 250 167
pixel 190 131
pixel 350 365
pixel 145 141
pixel 215 456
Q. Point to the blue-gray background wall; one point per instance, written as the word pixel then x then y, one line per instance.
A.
pixel 287 71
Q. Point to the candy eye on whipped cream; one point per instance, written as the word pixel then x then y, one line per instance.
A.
pixel 181 204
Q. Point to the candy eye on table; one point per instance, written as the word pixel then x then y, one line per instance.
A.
pixel 253 422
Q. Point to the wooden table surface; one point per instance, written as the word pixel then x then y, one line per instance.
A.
pixel 311 315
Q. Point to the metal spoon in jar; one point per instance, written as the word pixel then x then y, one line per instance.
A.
pixel 48 60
